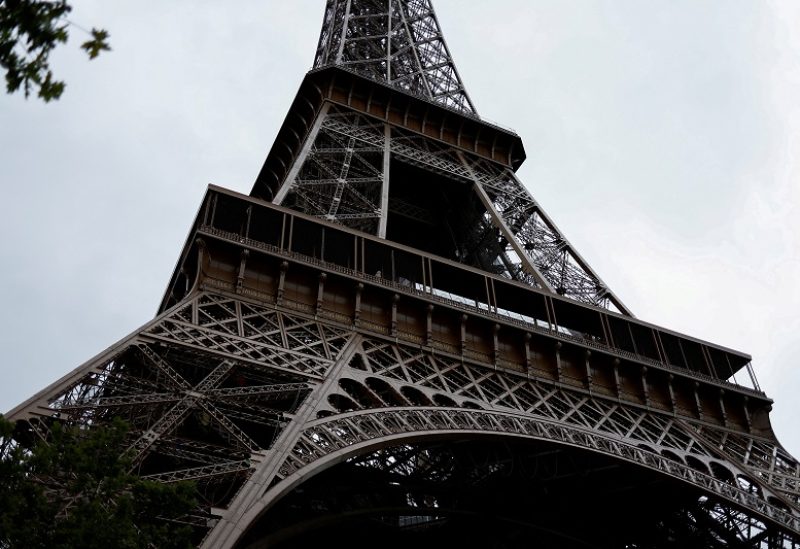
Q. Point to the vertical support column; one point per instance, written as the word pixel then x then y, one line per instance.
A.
pixel 609 335
pixel 387 157
pixel 251 498
pixel 722 407
pixel 552 320
pixel 357 311
pixel 196 310
pixel 210 219
pixel 395 299
pixel 617 383
pixel 673 402
pixel 558 361
pixel 429 325
pixel 588 366
pixel 343 38
pixel 202 258
pixel 495 344
pixel 281 283
pixel 488 293
pixel 242 268
pixel 208 210
pixel 528 360
pixel 239 318
pixel 748 451
pixel 321 292
pixel 747 418
pixel 662 353
pixel 697 402
pixel 389 43
pixel 463 335
pixel 245 231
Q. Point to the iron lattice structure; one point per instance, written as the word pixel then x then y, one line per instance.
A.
pixel 398 42
pixel 390 342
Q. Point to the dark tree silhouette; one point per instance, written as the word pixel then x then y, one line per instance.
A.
pixel 76 491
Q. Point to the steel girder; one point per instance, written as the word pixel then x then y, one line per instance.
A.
pixel 204 409
pixel 398 42
pixel 378 391
pixel 343 178
pixel 342 175
pixel 249 399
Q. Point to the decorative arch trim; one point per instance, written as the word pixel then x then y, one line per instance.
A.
pixel 329 441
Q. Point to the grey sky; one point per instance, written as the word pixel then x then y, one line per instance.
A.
pixel 662 137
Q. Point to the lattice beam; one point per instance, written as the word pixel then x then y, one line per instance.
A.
pixel 398 42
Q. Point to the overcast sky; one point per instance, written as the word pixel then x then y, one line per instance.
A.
pixel 662 137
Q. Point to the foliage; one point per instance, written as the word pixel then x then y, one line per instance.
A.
pixel 76 491
pixel 29 31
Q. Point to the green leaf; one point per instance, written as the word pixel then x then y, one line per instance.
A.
pixel 98 43
pixel 29 31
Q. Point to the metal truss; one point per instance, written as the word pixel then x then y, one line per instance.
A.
pixel 198 387
pixel 536 251
pixel 766 460
pixel 533 237
pixel 382 391
pixel 259 335
pixel 333 436
pixel 398 42
pixel 247 400
pixel 342 175
pixel 451 382
pixel 343 178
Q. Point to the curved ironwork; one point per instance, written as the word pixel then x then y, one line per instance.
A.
pixel 335 439
pixel 503 492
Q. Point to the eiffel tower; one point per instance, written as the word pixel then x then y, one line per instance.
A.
pixel 391 342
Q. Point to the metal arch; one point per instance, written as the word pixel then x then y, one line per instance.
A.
pixel 762 461
pixel 394 41
pixel 327 442
pixel 221 328
pixel 419 484
pixel 768 461
pixel 298 354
